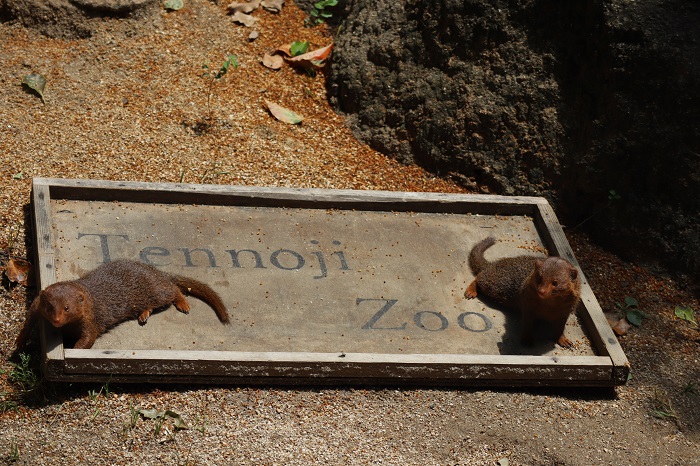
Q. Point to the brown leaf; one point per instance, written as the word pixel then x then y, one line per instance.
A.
pixel 245 20
pixel 283 114
pixel 275 6
pixel 17 271
pixel 622 327
pixel 285 49
pixel 243 7
pixel 611 317
pixel 314 59
pixel 274 62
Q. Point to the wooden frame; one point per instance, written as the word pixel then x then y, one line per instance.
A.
pixel 610 367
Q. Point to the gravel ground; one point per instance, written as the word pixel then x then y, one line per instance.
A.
pixel 123 105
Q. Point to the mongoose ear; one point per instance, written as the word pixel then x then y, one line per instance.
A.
pixel 574 273
pixel 80 293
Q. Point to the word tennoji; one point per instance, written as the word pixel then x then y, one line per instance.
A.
pixel 282 258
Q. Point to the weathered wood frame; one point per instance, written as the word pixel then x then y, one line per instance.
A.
pixel 61 364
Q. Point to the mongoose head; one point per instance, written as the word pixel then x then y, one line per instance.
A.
pixel 556 278
pixel 63 303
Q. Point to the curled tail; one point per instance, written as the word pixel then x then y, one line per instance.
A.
pixel 202 291
pixel 477 262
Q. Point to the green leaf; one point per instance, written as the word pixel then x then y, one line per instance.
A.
pixel 686 313
pixel 232 60
pixel 299 48
pixel 635 317
pixel 35 82
pixel 173 5
pixel 631 302
pixel 17 176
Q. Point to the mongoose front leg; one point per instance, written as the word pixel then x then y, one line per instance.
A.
pixel 562 340
pixel 29 324
pixel 143 317
pixel 87 338
pixel 470 293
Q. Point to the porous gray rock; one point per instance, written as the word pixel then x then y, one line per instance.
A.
pixel 453 86
pixel 594 105
pixel 68 19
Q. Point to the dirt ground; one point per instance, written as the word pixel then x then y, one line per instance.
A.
pixel 127 104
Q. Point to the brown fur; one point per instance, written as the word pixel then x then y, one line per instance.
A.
pixel 111 294
pixel 540 288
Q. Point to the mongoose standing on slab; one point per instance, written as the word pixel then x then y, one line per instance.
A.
pixel 111 294
pixel 540 288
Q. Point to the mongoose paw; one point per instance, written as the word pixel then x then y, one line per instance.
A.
pixel 564 342
pixel 470 292
pixel 143 317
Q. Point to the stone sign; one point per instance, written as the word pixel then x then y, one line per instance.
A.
pixel 321 286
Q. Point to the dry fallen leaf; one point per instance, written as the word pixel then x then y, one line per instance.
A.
pixel 245 20
pixel 283 114
pixel 243 7
pixel 314 59
pixel 35 82
pixel 286 49
pixel 622 327
pixel 274 6
pixel 274 62
pixel 17 271
pixel 611 318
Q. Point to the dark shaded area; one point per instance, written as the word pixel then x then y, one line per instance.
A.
pixel 592 104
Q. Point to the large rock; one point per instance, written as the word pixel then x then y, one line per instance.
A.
pixel 68 18
pixel 570 100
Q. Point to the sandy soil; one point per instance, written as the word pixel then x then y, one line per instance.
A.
pixel 123 105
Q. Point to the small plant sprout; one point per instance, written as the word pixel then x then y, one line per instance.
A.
pixel 134 415
pixel 213 76
pixel 6 403
pixel 14 451
pixel 661 406
pixel 23 375
pixel 632 312
pixel 319 14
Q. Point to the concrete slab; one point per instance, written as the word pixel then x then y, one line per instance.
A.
pixel 318 278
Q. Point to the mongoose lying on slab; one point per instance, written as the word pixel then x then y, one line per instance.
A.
pixel 111 294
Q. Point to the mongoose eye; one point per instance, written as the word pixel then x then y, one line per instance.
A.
pixel 66 308
pixel 555 283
